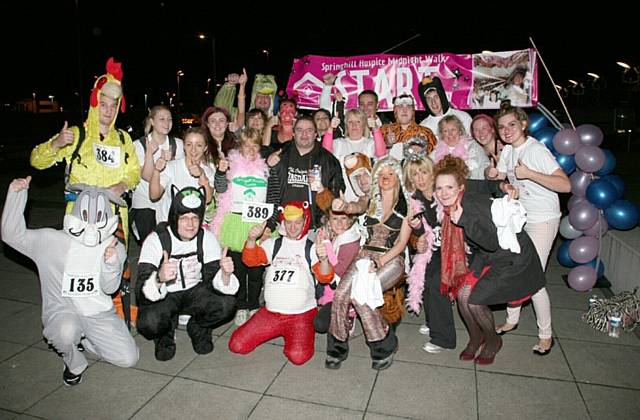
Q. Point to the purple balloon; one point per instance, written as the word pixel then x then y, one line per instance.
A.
pixel 584 249
pixel 590 158
pixel 583 215
pixel 579 183
pixel 566 142
pixel 567 230
pixel 599 229
pixel 590 134
pixel 582 278
pixel 575 199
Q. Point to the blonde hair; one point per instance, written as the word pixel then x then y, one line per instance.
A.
pixel 361 116
pixel 423 164
pixel 451 119
pixel 250 135
pixel 152 114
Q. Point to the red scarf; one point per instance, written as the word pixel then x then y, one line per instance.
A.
pixel 454 259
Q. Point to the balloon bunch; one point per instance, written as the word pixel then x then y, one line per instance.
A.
pixel 596 204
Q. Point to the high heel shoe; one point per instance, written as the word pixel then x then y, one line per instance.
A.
pixel 537 350
pixel 468 354
pixel 487 360
pixel 502 331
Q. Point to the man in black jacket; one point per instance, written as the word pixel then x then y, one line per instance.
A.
pixel 289 179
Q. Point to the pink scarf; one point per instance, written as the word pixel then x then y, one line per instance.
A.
pixel 238 165
pixel 416 276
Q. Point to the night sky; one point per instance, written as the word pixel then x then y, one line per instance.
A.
pixel 56 47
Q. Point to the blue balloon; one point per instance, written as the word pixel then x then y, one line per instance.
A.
pixel 592 264
pixel 601 193
pixel 566 162
pixel 617 182
pixel 622 215
pixel 537 121
pixel 609 163
pixel 545 136
pixel 563 255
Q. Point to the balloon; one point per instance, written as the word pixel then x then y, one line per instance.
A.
pixel 563 255
pixel 622 215
pixel 583 216
pixel 537 121
pixel 567 163
pixel 599 229
pixel 579 182
pixel 583 249
pixel 568 231
pixel 575 199
pixel 545 136
pixel 590 134
pixel 601 193
pixel 609 163
pixel 592 264
pixel 566 142
pixel 617 182
pixel 582 278
pixel 590 158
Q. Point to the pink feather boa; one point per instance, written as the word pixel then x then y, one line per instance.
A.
pixel 460 151
pixel 238 165
pixel 416 276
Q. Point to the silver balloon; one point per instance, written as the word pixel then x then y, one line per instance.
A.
pixel 590 158
pixel 566 142
pixel 567 230
pixel 590 134
pixel 583 216
pixel 579 182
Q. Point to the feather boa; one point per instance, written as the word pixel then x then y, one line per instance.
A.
pixel 416 276
pixel 461 150
pixel 238 165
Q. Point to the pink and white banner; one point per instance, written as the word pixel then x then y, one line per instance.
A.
pixel 472 81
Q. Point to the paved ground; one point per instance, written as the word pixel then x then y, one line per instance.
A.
pixel 587 374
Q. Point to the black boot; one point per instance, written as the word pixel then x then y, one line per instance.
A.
pixel 337 352
pixel 165 347
pixel 200 337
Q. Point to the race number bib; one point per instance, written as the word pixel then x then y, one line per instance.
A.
pixel 107 155
pixel 80 285
pixel 283 275
pixel 256 212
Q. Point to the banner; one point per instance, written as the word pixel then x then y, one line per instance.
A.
pixel 472 81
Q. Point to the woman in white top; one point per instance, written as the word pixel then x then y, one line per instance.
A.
pixel 155 144
pixel 358 140
pixel 192 171
pixel 531 168
pixel 453 140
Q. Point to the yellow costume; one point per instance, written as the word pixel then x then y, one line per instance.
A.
pixel 100 162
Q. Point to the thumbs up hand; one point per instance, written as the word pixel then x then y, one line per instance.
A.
pixel 522 171
pixel 64 138
pixel 339 204
pixel 226 263
pixel 168 270
pixel 110 251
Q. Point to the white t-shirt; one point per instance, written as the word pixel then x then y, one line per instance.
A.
pixel 344 147
pixel 541 203
pixel 289 286
pixel 140 198
pixel 431 122
pixel 176 173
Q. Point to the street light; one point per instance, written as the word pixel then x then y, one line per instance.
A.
pixel 594 75
pixel 623 65
pixel 178 74
pixel 213 60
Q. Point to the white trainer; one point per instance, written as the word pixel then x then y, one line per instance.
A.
pixel 424 330
pixel 183 320
pixel 432 348
pixel 242 315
